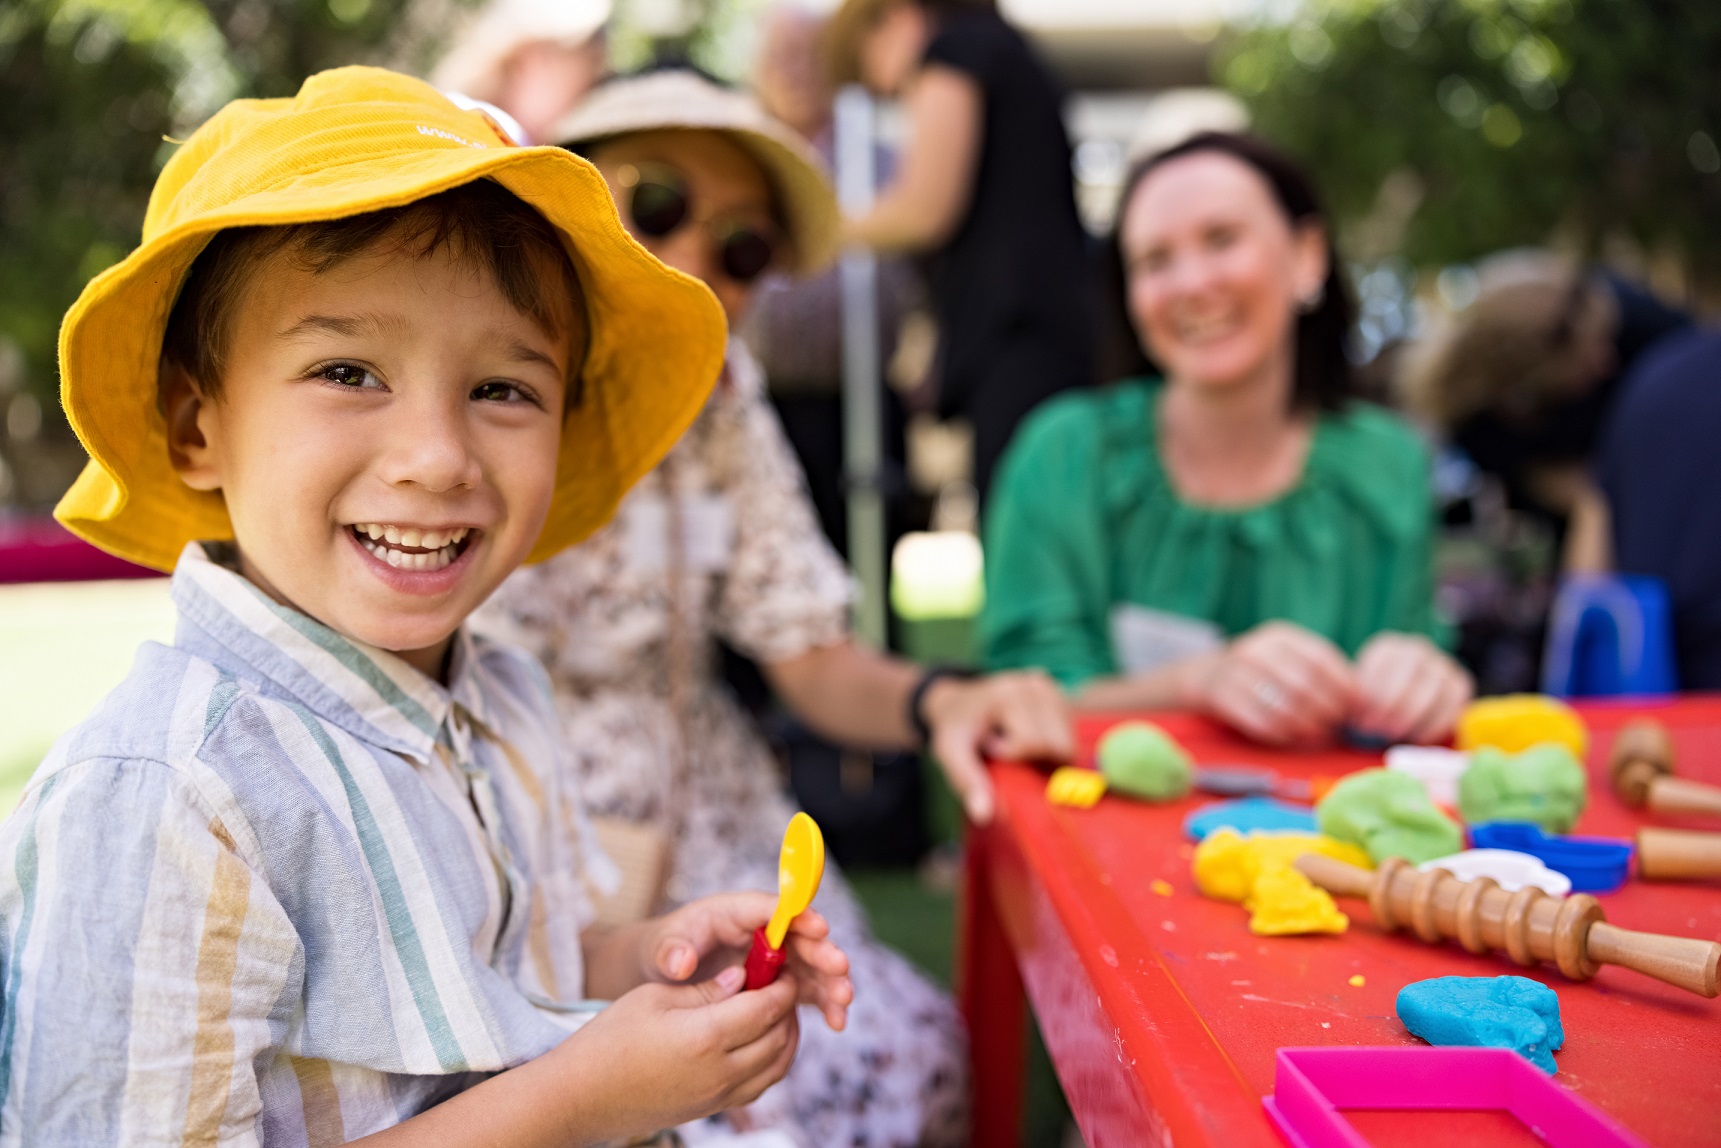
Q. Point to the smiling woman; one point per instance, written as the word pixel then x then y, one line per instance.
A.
pixel 1240 537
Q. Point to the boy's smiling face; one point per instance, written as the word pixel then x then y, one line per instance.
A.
pixel 385 436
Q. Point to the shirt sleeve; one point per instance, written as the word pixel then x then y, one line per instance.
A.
pixel 786 591
pixel 1046 597
pixel 150 973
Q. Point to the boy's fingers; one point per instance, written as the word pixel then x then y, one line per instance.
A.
pixel 773 1070
pixel 718 989
pixel 811 925
pixel 745 1017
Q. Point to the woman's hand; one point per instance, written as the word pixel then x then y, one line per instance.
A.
pixel 1278 683
pixel 696 941
pixel 1014 716
pixel 1408 689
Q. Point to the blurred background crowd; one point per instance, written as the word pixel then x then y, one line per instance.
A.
pixel 1522 209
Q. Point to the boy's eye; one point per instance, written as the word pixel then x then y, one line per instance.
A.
pixel 497 391
pixel 350 375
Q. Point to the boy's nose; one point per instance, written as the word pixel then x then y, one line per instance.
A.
pixel 432 447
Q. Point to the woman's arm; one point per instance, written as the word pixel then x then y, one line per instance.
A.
pixel 858 697
pixel 922 209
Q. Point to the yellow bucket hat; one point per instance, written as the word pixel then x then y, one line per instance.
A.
pixel 356 140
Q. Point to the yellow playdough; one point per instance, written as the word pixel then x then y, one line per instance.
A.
pixel 1227 863
pixel 1076 787
pixel 1518 721
pixel 1286 903
pixel 1256 871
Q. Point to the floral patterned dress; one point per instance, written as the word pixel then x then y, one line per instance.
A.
pixel 721 540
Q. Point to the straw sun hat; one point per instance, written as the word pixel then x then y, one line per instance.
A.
pixel 680 98
pixel 356 140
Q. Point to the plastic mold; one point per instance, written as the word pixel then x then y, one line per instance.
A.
pixel 1595 864
pixel 1311 1086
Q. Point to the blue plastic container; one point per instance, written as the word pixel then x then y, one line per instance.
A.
pixel 1610 635
pixel 1595 864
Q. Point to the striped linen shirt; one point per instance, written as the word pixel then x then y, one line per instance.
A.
pixel 282 888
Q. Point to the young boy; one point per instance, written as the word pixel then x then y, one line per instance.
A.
pixel 312 874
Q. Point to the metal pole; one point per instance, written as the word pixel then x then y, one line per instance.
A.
pixel 862 419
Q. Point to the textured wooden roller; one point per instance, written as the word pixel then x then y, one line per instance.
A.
pixel 1529 925
pixel 1642 770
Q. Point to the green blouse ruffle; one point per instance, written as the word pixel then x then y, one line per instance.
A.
pixel 1083 517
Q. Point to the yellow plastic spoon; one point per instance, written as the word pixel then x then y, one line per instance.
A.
pixel 800 867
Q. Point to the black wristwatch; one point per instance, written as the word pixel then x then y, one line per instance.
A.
pixel 917 697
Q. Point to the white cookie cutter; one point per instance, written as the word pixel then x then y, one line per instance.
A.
pixel 1510 870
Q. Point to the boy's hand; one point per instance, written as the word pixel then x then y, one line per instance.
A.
pixel 698 939
pixel 666 1054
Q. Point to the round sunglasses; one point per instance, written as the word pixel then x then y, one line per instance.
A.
pixel 658 202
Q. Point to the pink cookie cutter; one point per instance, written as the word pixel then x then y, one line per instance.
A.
pixel 1312 1085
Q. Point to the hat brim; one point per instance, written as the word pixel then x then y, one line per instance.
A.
pixel 681 101
pixel 656 347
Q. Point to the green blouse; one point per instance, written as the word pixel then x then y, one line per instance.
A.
pixel 1083 517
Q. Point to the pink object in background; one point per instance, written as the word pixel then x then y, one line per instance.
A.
pixel 41 550
pixel 1311 1086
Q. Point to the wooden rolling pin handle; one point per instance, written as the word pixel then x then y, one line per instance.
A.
pixel 1684 962
pixel 1676 795
pixel 1335 876
pixel 1678 854
pixel 1642 751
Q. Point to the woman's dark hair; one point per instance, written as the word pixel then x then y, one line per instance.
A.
pixel 1322 376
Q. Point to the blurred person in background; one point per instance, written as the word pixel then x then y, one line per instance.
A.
pixel 985 192
pixel 534 59
pixel 1522 378
pixel 720 542
pixel 795 323
pixel 1239 536
pixel 1657 505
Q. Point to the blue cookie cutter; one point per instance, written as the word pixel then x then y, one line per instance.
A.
pixel 1249 813
pixel 1595 864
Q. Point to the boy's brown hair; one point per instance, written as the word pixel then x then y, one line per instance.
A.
pixel 481 223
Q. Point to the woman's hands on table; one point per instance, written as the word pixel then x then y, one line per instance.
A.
pixel 1278 683
pixel 1282 684
pixel 1410 690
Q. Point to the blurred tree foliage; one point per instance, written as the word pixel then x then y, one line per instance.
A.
pixel 1452 128
pixel 90 88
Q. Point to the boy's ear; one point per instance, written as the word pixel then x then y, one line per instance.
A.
pixel 187 411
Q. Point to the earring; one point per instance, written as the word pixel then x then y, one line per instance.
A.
pixel 1311 302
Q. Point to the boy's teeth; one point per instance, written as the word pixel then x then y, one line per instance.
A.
pixel 440 547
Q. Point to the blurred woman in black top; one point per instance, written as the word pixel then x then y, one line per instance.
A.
pixel 984 191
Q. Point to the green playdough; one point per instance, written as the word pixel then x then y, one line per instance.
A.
pixel 1389 814
pixel 1544 784
pixel 1141 760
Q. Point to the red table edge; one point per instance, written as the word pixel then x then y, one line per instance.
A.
pixel 991 991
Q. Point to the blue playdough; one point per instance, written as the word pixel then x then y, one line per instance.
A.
pixel 1249 813
pixel 1486 1012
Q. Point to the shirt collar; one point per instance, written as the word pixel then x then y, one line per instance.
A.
pixel 367 691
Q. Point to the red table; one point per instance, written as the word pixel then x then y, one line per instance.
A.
pixel 1162 1011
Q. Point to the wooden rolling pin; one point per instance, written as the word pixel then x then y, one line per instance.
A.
pixel 1529 925
pixel 1642 769
pixel 1678 854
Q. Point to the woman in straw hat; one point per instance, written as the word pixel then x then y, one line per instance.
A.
pixel 721 541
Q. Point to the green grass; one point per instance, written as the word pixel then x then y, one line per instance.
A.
pixel 63 646
pixel 919 921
